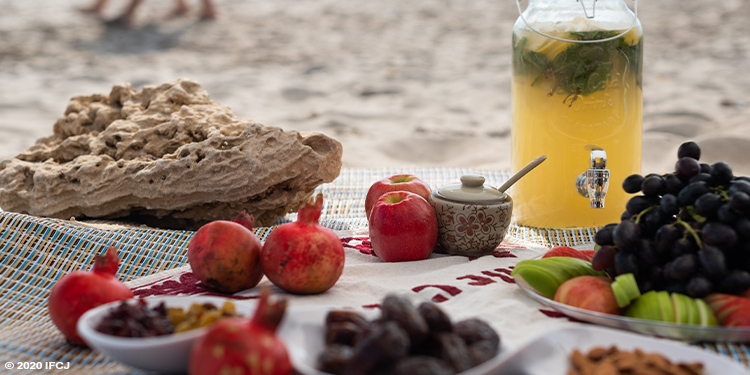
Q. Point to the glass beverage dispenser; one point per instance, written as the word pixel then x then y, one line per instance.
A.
pixel 577 98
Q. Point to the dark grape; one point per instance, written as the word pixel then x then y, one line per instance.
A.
pixel 681 268
pixel 739 202
pixel 691 192
pixel 707 204
pixel 668 204
pixel 721 173
pixel 665 238
pixel 713 262
pixel 626 263
pixel 655 276
pixel 683 246
pixel 637 204
pixel 651 221
pixel 739 186
pixel 737 281
pixel 632 184
pixel 727 215
pixel 705 168
pixel 653 185
pixel 699 287
pixel 718 234
pixel 689 149
pixel 676 287
pixel 626 216
pixel 647 256
pixel 705 177
pixel 604 258
pixel 742 228
pixel 673 183
pixel 686 168
pixel 645 285
pixel 604 235
pixel 626 235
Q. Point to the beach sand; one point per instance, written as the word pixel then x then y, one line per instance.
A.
pixel 399 83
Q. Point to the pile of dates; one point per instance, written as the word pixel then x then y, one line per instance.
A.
pixel 136 320
pixel 140 320
pixel 405 339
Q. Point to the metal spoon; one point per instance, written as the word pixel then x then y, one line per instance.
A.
pixel 513 179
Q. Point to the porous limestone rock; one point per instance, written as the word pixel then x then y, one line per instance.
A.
pixel 166 156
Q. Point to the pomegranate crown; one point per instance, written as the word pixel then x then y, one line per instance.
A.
pixel 310 213
pixel 107 263
pixel 245 219
pixel 269 313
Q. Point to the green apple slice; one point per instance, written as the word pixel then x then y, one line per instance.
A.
pixel 685 309
pixel 645 307
pixel 625 289
pixel 538 277
pixel 706 315
pixel 666 309
pixel 545 275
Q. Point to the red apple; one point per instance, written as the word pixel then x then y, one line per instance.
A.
pixel 592 293
pixel 404 182
pixel 730 310
pixel 566 251
pixel 403 227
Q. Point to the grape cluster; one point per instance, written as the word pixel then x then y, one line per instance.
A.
pixel 687 231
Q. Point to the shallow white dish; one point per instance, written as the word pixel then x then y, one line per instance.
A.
pixel 549 354
pixel 303 331
pixel 164 354
pixel 692 333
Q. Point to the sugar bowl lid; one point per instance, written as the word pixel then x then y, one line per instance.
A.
pixel 471 189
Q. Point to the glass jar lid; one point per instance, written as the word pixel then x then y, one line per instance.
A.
pixel 471 189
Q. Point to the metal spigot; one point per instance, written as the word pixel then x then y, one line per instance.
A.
pixel 594 182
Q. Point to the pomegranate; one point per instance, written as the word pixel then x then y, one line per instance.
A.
pixel 244 346
pixel 303 257
pixel 225 255
pixel 80 291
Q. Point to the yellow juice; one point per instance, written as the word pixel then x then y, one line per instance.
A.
pixel 567 99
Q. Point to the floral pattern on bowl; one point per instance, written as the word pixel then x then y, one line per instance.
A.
pixel 471 228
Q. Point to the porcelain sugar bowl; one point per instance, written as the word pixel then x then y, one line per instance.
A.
pixel 473 219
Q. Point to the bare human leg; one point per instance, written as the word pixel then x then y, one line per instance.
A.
pixel 180 8
pixel 128 17
pixel 209 11
pixel 96 8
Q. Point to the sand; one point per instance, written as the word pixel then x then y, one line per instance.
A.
pixel 399 83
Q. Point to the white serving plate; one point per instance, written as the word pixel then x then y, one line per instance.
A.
pixel 303 331
pixel 549 353
pixel 684 332
pixel 163 354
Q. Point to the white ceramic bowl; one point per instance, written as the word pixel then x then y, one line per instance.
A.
pixel 549 353
pixel 164 354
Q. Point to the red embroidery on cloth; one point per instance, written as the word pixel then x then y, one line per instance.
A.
pixel 503 274
pixel 478 280
pixel 503 254
pixel 506 271
pixel 186 284
pixel 452 290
